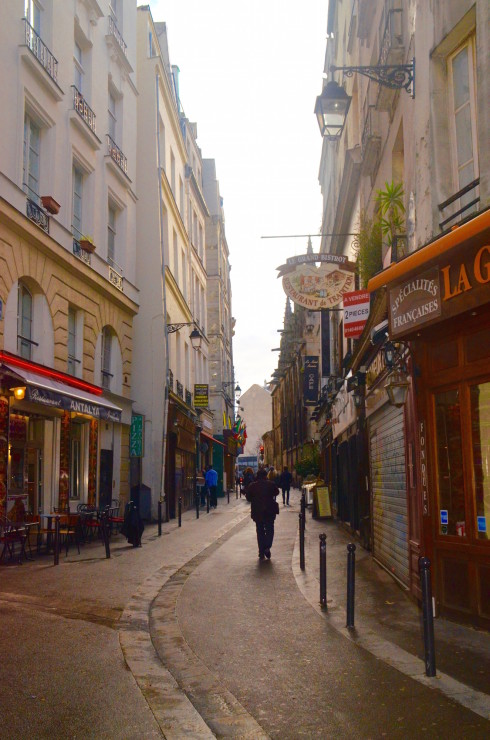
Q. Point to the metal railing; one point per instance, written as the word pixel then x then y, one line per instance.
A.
pixel 180 390
pixel 83 109
pixel 114 31
pixel 188 397
pixel 41 51
pixel 34 211
pixel 116 154
pixel 392 38
pixel 460 194
pixel 115 278
pixel 82 254
pixel 170 380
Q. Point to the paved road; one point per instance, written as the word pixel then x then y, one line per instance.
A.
pixel 247 622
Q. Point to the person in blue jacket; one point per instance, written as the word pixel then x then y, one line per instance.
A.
pixel 211 479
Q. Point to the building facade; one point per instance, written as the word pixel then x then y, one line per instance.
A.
pixel 67 220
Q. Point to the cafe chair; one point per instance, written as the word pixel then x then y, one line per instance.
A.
pixel 115 520
pixel 10 535
pixel 69 531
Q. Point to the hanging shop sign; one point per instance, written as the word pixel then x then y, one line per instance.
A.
pixel 414 302
pixel 316 287
pixel 136 436
pixel 310 380
pixel 356 312
pixel 201 395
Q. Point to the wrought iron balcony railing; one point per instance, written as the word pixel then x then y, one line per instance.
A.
pixel 82 254
pixel 188 397
pixel 41 51
pixel 370 142
pixel 391 50
pixel 170 380
pixel 180 390
pixel 83 109
pixel 114 31
pixel 468 197
pixel 115 278
pixel 34 210
pixel 116 154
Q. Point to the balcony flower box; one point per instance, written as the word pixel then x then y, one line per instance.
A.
pixel 50 204
pixel 87 244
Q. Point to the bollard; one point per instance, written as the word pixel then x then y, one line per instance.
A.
pixel 159 517
pixel 228 494
pixel 429 645
pixel 197 505
pixel 303 508
pixel 236 491
pixel 180 511
pixel 207 501
pixel 104 523
pixel 351 583
pixel 323 570
pixel 301 543
pixel 57 541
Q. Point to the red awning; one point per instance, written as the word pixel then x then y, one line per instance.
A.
pixel 212 439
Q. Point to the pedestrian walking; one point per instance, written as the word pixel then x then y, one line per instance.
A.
pixel 237 479
pixel 248 477
pixel 285 484
pixel 212 483
pixel 262 495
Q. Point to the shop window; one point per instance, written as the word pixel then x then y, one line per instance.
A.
pixel 24 323
pixel 75 460
pixel 450 478
pixel 480 442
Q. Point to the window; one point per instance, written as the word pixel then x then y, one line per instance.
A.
pixel 75 459
pixel 24 322
pixel 463 116
pixel 33 15
pixel 72 341
pixel 106 358
pixel 30 175
pixel 181 197
pixel 480 441
pixel 77 201
pixel 176 258
pixel 112 117
pixel 172 172
pixel 111 234
pixel 78 75
pixel 450 477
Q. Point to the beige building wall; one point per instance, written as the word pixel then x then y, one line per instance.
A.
pixel 255 408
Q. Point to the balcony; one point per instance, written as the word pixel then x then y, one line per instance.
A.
pixel 83 109
pixel 114 31
pixel 465 199
pixel 180 390
pixel 116 155
pixel 34 211
pixel 41 52
pixel 392 50
pixel 115 278
pixel 370 143
pixel 82 254
pixel 188 397
pixel 170 380
pixel 117 46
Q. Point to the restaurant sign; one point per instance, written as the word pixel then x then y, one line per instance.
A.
pixel 68 403
pixel 310 380
pixel 319 287
pixel 414 302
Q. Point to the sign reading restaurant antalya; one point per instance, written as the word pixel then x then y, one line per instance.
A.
pixel 317 287
pixel 60 401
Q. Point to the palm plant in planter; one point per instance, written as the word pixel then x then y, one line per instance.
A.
pixel 391 210
pixel 87 243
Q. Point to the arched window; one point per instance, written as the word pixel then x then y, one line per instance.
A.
pixel 106 364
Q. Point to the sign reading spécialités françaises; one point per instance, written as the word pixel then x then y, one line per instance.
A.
pixel 414 302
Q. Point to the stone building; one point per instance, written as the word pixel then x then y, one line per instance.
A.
pixel 67 244
pixel 416 380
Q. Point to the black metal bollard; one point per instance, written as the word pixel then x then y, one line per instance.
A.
pixel 351 583
pixel 104 523
pixel 56 541
pixel 429 645
pixel 228 494
pixel 180 511
pixel 207 502
pixel 197 505
pixel 160 517
pixel 303 508
pixel 236 491
pixel 301 543
pixel 323 570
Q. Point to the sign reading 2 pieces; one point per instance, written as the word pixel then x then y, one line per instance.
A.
pixel 356 312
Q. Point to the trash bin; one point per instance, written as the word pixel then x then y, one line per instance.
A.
pixel 141 495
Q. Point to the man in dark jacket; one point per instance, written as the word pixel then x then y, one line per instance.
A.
pixel 262 495
pixel 285 484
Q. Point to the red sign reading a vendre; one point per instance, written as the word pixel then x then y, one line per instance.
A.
pixel 356 312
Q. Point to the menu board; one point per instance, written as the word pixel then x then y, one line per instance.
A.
pixel 321 499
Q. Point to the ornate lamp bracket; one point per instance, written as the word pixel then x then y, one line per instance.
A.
pixel 395 76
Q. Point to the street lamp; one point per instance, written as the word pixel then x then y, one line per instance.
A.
pixel 195 335
pixel 397 389
pixel 332 105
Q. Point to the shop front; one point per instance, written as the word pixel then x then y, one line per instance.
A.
pixel 180 470
pixel 439 302
pixel 50 433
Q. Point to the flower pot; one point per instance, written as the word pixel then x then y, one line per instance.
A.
pixel 50 204
pixel 87 245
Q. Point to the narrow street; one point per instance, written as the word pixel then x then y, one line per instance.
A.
pixel 217 643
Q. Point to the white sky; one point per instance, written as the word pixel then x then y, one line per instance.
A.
pixel 249 75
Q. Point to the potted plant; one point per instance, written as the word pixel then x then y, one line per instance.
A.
pixel 50 204
pixel 87 243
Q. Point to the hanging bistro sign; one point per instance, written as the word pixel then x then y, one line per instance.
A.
pixel 310 380
pixel 317 287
